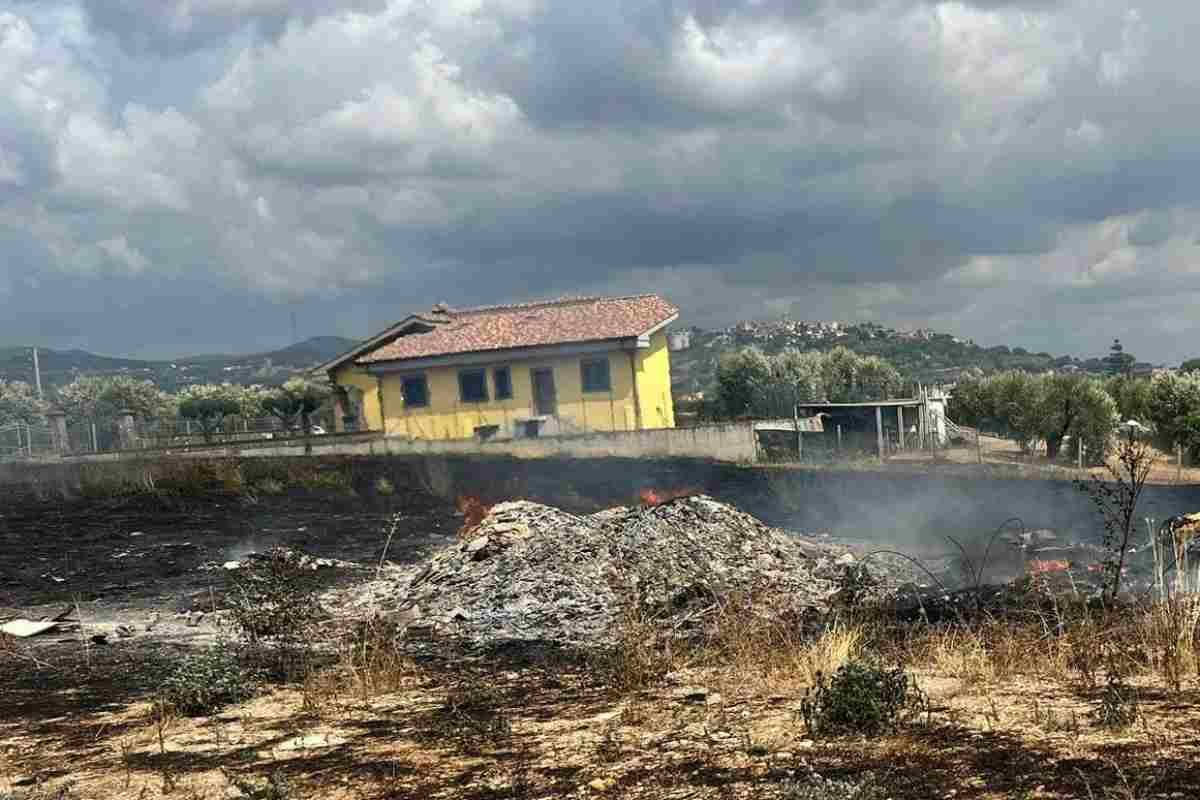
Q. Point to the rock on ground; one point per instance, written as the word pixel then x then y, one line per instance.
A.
pixel 532 572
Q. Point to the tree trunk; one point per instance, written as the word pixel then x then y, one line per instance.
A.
pixel 1053 445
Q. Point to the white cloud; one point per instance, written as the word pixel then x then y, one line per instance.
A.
pixel 928 161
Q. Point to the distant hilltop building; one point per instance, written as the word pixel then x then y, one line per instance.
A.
pixel 679 340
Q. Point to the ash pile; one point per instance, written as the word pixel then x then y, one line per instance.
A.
pixel 531 572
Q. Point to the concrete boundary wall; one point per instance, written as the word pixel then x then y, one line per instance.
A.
pixel 732 442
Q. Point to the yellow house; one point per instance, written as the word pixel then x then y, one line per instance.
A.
pixel 513 371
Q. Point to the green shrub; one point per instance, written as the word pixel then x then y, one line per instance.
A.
pixel 860 698
pixel 273 607
pixel 205 681
pixel 269 486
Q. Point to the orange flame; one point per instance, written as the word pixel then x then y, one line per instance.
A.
pixel 649 498
pixel 473 510
pixel 1038 566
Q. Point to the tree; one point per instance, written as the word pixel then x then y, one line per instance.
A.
pixel 209 412
pixel 211 403
pixel 83 398
pixel 1014 399
pixel 295 402
pixel 1191 365
pixel 1173 399
pixel 1118 362
pixel 743 378
pixel 95 398
pixel 1132 395
pixel 1116 499
pixel 877 380
pixel 839 375
pixel 1076 406
pixel 971 402
pixel 19 403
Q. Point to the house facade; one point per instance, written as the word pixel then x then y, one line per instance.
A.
pixel 534 369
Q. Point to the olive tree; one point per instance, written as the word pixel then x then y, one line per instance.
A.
pixel 1076 406
pixel 208 412
pixel 1174 400
pixel 19 403
pixel 743 380
pixel 295 402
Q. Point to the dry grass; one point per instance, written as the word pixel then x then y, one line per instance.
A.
pixel 740 650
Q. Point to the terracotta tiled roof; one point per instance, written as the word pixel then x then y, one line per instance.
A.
pixel 576 320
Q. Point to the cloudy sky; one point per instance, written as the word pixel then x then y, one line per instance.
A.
pixel 180 176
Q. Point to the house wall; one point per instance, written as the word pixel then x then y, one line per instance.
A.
pixel 654 383
pixel 358 378
pixel 447 417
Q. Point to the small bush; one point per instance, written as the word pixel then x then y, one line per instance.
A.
pixel 641 654
pixel 326 480
pixel 204 682
pixel 384 487
pixel 1118 704
pixel 269 486
pixel 373 662
pixel 860 698
pixel 273 604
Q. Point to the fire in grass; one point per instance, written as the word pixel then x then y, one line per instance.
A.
pixel 473 510
pixel 649 498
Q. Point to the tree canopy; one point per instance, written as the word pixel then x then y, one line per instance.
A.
pixel 295 402
pixel 93 398
pixel 19 403
pixel 1039 408
pixel 750 383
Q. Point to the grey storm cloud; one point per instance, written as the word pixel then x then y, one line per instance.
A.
pixel 165 164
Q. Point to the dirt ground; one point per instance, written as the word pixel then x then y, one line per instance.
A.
pixel 522 722
pixel 994 450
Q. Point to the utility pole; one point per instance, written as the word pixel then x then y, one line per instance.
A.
pixel 37 373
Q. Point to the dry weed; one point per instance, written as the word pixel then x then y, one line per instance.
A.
pixel 371 662
pixel 1168 633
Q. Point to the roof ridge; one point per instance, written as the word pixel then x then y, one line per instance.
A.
pixel 560 301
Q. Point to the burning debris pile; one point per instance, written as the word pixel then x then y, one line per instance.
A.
pixel 532 572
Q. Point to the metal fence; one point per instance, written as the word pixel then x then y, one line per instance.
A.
pixel 19 440
pixel 22 441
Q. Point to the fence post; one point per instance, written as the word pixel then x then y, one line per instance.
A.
pixel 979 444
pixel 799 436
pixel 879 430
pixel 95 441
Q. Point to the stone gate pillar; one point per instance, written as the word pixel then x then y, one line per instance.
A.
pixel 126 434
pixel 58 430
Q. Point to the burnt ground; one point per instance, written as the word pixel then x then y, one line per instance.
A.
pixel 146 554
pixel 139 562
pixel 539 724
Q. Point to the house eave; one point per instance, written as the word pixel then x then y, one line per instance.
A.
pixel 485 357
pixel 374 343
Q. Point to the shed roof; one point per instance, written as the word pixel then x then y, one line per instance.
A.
pixel 906 403
pixel 451 331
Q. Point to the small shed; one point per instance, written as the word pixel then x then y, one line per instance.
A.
pixel 906 423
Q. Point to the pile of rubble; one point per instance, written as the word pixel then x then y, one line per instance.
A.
pixel 535 573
